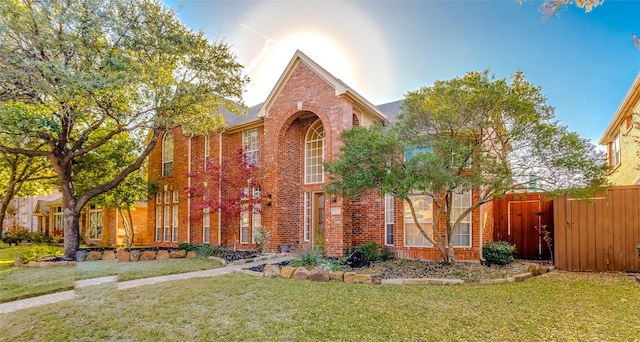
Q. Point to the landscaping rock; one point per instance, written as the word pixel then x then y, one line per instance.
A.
pixel 522 277
pixel 271 271
pixel 93 256
pixel 301 273
pixel 287 272
pixel 162 255
pixel 336 275
pixel 108 255
pixel 81 255
pixel 181 253
pixel 319 275
pixel 135 254
pixel 351 277
pixel 192 255
pixel 535 269
pixel 148 255
pixel 123 256
pixel 17 262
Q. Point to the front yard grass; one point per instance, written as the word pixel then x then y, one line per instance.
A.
pixel 25 282
pixel 553 307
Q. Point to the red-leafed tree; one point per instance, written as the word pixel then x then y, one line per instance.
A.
pixel 229 186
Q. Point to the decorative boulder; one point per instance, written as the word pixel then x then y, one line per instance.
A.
pixel 319 275
pixel 123 256
pixel 287 272
pixel 336 275
pixel 192 255
pixel 81 255
pixel 148 255
pixel 181 253
pixel 534 269
pixel 108 255
pixel 93 256
pixel 162 255
pixel 301 273
pixel 352 277
pixel 135 255
pixel 271 271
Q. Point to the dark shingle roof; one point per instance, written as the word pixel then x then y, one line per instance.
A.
pixel 391 109
pixel 231 119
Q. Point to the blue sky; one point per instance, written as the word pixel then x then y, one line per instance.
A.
pixel 584 62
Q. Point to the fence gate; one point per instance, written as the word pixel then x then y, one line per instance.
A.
pixel 518 219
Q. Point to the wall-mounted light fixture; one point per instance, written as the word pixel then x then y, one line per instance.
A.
pixel 268 200
pixel 334 198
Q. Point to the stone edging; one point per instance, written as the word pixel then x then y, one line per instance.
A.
pixel 321 275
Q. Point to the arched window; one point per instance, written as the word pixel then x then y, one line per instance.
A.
pixel 314 154
pixel 167 154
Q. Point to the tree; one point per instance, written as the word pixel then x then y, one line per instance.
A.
pixel 76 75
pixel 549 7
pixel 230 186
pixel 474 133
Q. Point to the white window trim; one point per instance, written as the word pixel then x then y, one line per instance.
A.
pixel 176 196
pixel 388 219
pixel 206 225
pixel 616 155
pixel 243 220
pixel 467 219
pixel 158 224
pixel 174 224
pixel 316 129
pixel 251 146
pixel 167 154
pixel 409 220
pixel 167 224
pixel 95 211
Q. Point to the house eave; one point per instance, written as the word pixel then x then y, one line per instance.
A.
pixel 625 108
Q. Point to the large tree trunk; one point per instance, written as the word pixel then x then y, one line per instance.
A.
pixel 71 232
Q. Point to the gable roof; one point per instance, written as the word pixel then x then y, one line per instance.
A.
pixel 625 109
pixel 341 89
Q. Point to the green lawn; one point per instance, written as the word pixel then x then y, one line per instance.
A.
pixel 554 307
pixel 24 282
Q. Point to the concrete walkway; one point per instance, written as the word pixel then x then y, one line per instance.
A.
pixel 67 295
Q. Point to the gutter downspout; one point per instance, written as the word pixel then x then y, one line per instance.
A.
pixel 189 197
pixel 219 188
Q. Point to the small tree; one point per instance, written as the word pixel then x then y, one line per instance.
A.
pixel 472 133
pixel 230 186
pixel 549 7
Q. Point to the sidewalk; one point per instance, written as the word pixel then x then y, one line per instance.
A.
pixel 67 295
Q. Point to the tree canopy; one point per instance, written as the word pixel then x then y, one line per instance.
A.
pixel 83 77
pixel 550 7
pixel 475 132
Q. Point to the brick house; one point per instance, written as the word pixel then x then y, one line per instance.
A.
pixel 289 136
pixel 621 139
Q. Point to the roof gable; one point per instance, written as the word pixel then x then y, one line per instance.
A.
pixel 625 109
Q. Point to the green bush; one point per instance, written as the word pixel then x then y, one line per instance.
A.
pixel 186 246
pixel 306 258
pixel 498 252
pixel 16 235
pixel 373 251
pixel 40 238
pixel 204 250
pixel 37 252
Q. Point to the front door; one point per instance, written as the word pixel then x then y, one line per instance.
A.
pixel 318 221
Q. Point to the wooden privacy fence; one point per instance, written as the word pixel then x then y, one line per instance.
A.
pixel 600 234
pixel 518 219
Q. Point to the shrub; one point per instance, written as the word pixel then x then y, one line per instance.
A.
pixel 186 246
pixel 57 239
pixel 204 250
pixel 16 235
pixel 260 238
pixel 498 252
pixel 306 258
pixel 373 251
pixel 40 238
pixel 37 252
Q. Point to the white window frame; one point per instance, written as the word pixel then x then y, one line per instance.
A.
pixel 167 223
pixel 256 215
pixel 176 196
pixel 306 217
pixel 58 218
pixel 95 222
pixel 167 154
pixel 207 151
pixel 314 154
pixel 167 197
pixel 423 205
pixel 158 224
pixel 244 225
pixel 458 206
pixel 206 225
pixel 389 222
pixel 159 198
pixel 174 224
pixel 615 151
pixel 251 146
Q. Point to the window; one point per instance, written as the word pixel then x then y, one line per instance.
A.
pixel 423 206
pixel 166 196
pixel 256 216
pixel 167 221
pixel 95 222
pixel 167 154
pixel 614 152
pixel 174 226
pixel 250 146
pixel 23 218
pixel 388 220
pixel 307 216
pixel 159 198
pixel 175 196
pixel 244 225
pixel 462 201
pixel 58 219
pixel 158 224
pixel 207 151
pixel 314 154
pixel 206 225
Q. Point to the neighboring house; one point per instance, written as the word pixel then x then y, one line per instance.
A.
pixel 289 137
pixel 98 226
pixel 20 212
pixel 622 139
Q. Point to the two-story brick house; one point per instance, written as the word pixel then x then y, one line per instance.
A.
pixel 621 139
pixel 289 136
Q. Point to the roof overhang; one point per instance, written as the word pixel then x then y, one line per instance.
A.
pixel 625 109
